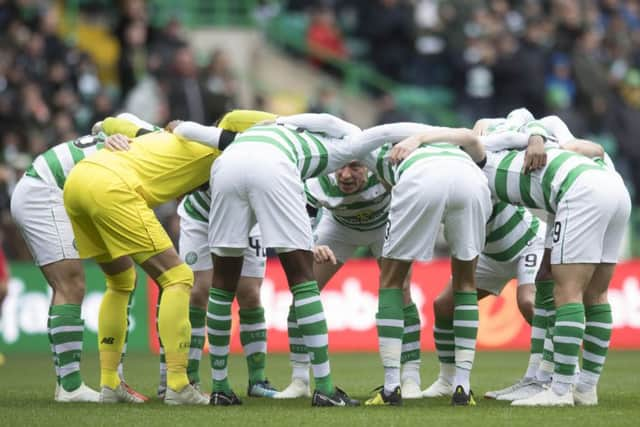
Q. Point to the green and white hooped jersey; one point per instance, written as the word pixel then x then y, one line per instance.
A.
pixel 510 230
pixel 542 189
pixel 313 153
pixel 379 160
pixel 365 210
pixel 196 205
pixel 53 166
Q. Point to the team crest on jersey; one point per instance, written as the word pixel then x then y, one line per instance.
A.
pixel 191 258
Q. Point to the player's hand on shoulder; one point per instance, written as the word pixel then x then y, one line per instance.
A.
pixel 172 125
pixel 401 150
pixel 535 156
pixel 323 254
pixel 117 142
pixel 96 128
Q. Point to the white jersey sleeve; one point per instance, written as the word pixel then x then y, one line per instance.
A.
pixel 328 124
pixel 557 128
pixel 504 141
pixel 207 135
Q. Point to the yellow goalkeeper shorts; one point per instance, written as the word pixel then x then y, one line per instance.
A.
pixel 109 217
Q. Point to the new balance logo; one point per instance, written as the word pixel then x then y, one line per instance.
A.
pixel 107 340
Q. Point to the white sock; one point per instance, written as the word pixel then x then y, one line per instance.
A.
pixel 391 379
pixel 447 372
pixel 587 381
pixel 464 358
pixel 534 363
pixel 300 371
pixel 545 371
pixel 411 372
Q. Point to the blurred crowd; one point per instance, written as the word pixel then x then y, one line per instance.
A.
pixel 59 74
pixel 579 59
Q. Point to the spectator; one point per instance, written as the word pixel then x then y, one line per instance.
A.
pixel 388 111
pixel 132 64
pixel 560 88
pixel 324 40
pixel 186 91
pixel 325 100
pixel 220 85
pixel 591 78
pixel 389 28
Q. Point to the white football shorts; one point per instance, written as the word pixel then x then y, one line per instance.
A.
pixel 343 241
pixel 448 190
pixel 591 219
pixel 492 276
pixel 256 182
pixel 39 213
pixel 194 247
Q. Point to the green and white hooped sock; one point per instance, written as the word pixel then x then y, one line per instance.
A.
pixel 597 336
pixel 410 357
pixel 253 336
pixel 313 325
pixel 197 317
pixel 444 340
pixel 544 296
pixel 53 347
pixel 465 330
pixel 219 332
pixel 567 339
pixel 298 353
pixel 67 328
pixel 390 325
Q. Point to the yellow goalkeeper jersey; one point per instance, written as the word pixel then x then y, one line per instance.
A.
pixel 161 166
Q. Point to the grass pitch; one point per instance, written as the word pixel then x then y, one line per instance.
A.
pixel 27 385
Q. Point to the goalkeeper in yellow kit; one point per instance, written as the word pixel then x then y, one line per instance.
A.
pixel 109 198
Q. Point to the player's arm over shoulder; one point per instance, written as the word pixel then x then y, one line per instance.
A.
pixel 222 135
pixel 126 124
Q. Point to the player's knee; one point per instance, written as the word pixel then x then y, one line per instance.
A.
pixel 199 293
pixel 526 305
pixel 595 296
pixel 248 295
pixel 179 275
pixel 442 307
pixel 124 281
pixel 69 286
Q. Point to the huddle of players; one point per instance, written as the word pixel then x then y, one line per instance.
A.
pixel 411 188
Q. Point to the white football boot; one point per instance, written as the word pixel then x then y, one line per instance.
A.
pixel 118 395
pixel 440 388
pixel 297 388
pixel 410 389
pixel 587 398
pixel 548 397
pixel 81 394
pixel 531 388
pixel 189 395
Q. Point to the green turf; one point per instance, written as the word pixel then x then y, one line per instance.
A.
pixel 26 397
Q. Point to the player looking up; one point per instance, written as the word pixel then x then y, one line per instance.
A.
pixel 351 207
pixel 261 180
